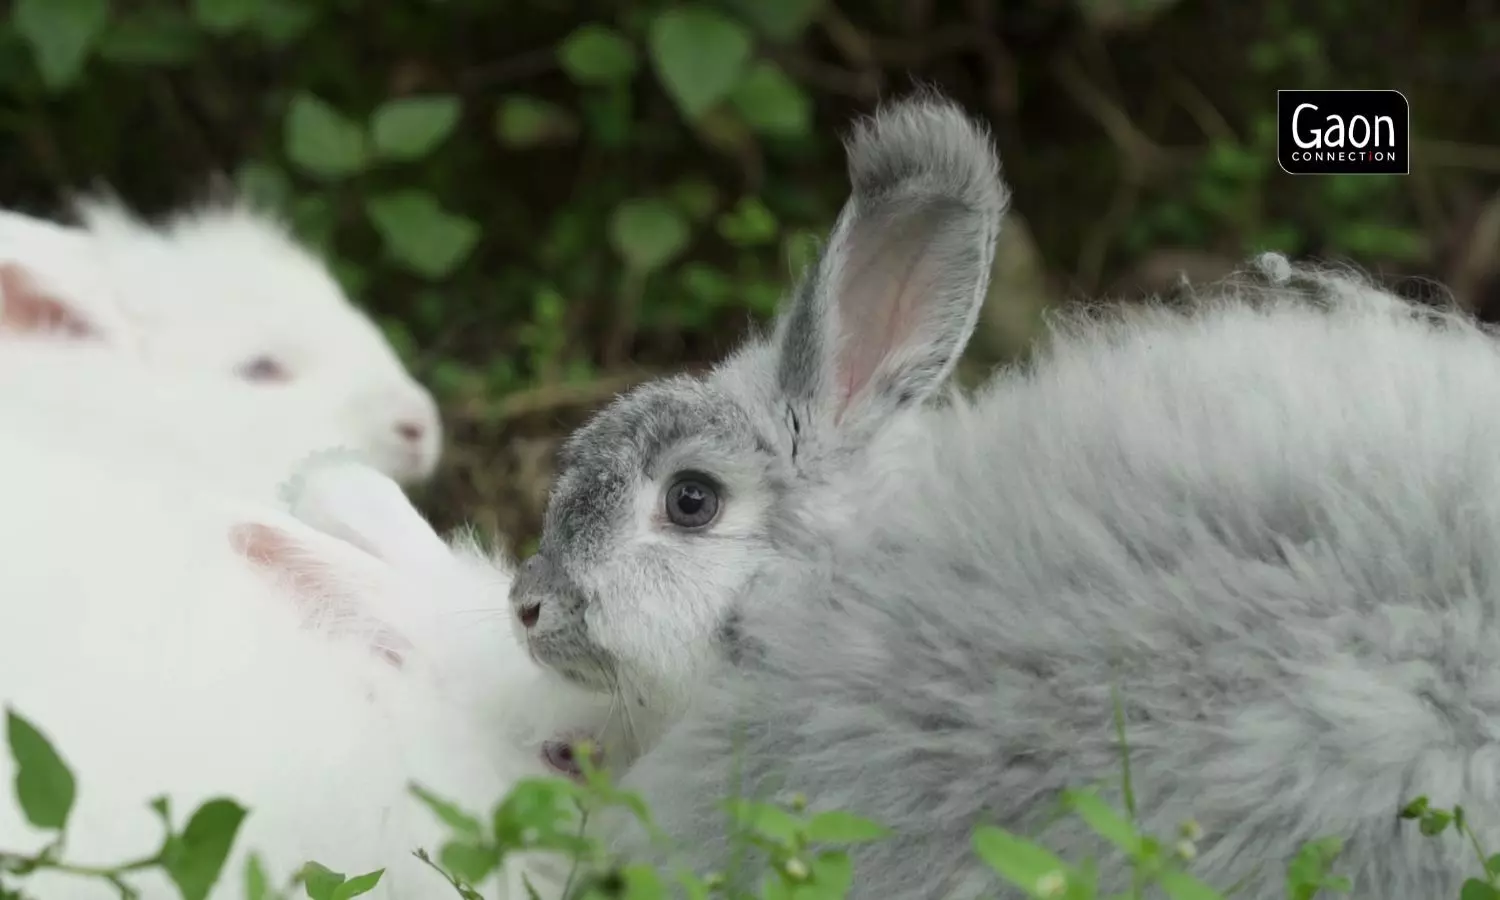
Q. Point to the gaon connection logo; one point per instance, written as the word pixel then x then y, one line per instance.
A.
pixel 1343 132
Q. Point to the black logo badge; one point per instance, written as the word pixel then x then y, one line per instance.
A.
pixel 1343 132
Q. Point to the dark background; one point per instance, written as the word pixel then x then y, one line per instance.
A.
pixel 585 193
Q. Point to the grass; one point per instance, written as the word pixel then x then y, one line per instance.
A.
pixel 805 855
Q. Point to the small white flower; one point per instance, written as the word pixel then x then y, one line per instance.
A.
pixel 1187 849
pixel 1053 884
pixel 796 869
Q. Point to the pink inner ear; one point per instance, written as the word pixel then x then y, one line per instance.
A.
pixel 888 278
pixel 315 588
pixel 27 309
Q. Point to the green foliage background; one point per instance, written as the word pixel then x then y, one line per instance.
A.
pixel 544 200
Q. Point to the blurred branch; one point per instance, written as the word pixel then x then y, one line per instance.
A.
pixel 1141 157
pixel 1210 121
pixel 862 85
pixel 513 68
pixel 999 66
pixel 545 398
pixel 862 48
pixel 1140 153
pixel 1455 155
pixel 1478 257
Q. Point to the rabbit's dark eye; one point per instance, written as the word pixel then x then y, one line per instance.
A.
pixel 263 369
pixel 692 501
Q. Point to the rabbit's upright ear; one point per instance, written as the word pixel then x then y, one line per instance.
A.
pixel 881 318
pixel 338 495
pixel 29 309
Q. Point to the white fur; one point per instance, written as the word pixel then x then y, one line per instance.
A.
pixel 195 433
pixel 160 660
pixel 215 289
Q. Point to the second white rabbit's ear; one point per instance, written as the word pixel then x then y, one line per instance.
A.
pixel 881 318
pixel 27 308
pixel 335 587
pixel 341 496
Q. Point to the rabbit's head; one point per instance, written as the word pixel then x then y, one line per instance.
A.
pixel 673 499
pixel 223 291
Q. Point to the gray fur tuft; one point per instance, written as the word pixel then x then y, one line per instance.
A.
pixel 926 146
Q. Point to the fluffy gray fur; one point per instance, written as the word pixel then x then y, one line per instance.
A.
pixel 1271 525
pixel 1267 519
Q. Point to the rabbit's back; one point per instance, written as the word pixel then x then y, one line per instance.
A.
pixel 1270 525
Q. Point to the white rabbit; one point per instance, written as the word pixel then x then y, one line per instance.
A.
pixel 1268 520
pixel 222 291
pixel 170 646
pixel 217 435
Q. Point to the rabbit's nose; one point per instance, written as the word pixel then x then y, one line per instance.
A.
pixel 530 612
pixel 526 591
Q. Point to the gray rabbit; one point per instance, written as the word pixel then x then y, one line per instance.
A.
pixel 1267 520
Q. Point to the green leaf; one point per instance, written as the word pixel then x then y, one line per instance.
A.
pixel 280 22
pixel 696 196
pixel 321 140
pixel 1308 872
pixel 420 234
pixel 1434 822
pixel 263 185
pixel 411 127
pixel 772 103
pixel 699 54
pixel 1182 886
pixel 257 883
pixel 537 811
pixel 224 16
pixel 597 54
pixel 470 861
pixel 61 34
pixel 45 788
pixel 1016 859
pixel 525 121
pixel 749 224
pixel 695 887
pixel 152 36
pixel 1492 865
pixel 359 884
pixel 448 813
pixel 772 887
pixel 194 859
pixel 313 221
pixel 647 234
pixel 1474 889
pixel 766 820
pixel 782 21
pixel 642 883
pixel 609 115
pixel 1105 822
pixel 844 828
pixel 833 870
pixel 319 881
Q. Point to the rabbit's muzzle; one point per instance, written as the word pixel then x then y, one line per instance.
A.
pixel 550 608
